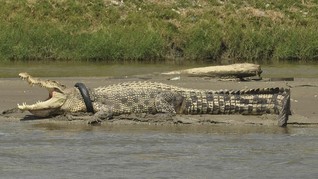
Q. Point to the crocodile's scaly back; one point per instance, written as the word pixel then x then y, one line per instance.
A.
pixel 137 97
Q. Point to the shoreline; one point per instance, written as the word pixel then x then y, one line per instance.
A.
pixel 304 100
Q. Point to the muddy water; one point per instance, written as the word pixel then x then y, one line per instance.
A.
pixel 40 150
pixel 82 69
pixel 86 69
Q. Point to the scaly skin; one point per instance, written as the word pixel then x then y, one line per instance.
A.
pixel 151 97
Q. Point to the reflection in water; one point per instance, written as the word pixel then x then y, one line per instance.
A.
pixel 39 150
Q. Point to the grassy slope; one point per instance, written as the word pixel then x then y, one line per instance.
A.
pixel 250 30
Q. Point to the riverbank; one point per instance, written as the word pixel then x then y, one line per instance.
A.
pixel 117 31
pixel 304 100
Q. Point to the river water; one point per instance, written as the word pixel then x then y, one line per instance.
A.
pixel 89 69
pixel 50 150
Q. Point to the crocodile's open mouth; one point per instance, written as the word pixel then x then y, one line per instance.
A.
pixel 55 100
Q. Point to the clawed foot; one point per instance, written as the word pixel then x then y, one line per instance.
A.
pixel 99 117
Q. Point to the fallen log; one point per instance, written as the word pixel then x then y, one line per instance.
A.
pixel 239 70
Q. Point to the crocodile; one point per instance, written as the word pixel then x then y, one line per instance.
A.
pixel 154 98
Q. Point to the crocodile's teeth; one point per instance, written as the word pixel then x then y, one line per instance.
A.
pixel 23 105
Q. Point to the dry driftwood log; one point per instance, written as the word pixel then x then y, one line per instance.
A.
pixel 240 70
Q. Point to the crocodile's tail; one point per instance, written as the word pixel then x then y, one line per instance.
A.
pixel 283 107
pixel 248 102
pixel 278 102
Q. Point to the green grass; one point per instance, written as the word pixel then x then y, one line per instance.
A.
pixel 147 31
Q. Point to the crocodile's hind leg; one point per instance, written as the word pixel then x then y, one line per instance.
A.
pixel 168 102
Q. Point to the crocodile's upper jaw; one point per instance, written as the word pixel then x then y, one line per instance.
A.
pixel 50 106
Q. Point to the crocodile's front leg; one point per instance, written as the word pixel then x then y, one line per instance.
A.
pixel 105 112
pixel 93 119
